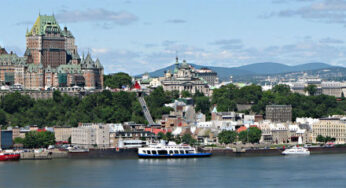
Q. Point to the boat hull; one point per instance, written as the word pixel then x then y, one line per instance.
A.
pixel 192 155
pixel 296 153
pixel 13 157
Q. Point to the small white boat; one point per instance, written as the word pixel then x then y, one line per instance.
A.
pixel 296 151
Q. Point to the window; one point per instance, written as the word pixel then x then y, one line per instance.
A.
pixel 149 152
pixel 170 151
pixel 154 152
pixel 182 152
pixel 176 152
pixel 144 151
pixel 162 152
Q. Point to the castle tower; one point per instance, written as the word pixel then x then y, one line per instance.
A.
pixel 46 42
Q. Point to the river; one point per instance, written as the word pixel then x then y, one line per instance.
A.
pixel 274 171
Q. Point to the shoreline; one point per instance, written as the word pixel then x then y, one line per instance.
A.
pixel 132 153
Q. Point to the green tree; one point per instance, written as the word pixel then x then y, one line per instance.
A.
pixel 320 138
pixel 117 80
pixel 169 136
pixel 161 136
pixel 227 137
pixel 282 89
pixel 188 139
pixel 173 94
pixel 177 139
pixel 3 117
pixel 34 139
pixel 311 89
pixel 202 104
pixel 18 140
pixel 249 94
pixel 185 94
pixel 243 136
pixel 254 134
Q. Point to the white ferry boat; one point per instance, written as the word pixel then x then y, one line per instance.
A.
pixel 170 150
pixel 296 151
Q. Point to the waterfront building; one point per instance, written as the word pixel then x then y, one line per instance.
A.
pixel 51 60
pixel 91 135
pixel 279 113
pixel 120 137
pixel 62 134
pixel 184 78
pixel 332 127
pixel 6 141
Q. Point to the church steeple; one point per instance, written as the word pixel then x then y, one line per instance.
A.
pixel 176 67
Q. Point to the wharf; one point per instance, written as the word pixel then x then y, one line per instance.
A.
pixel 104 153
pixel 267 152
pixel 44 155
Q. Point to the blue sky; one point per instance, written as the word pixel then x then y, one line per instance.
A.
pixel 138 36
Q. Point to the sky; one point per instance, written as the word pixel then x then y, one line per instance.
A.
pixel 137 36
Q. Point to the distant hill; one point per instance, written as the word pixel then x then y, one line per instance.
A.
pixel 277 68
pixel 265 68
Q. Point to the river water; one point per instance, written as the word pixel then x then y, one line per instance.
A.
pixel 275 171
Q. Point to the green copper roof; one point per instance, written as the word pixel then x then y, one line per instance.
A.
pixel 12 59
pixel 34 68
pixel 44 24
pixel 67 33
pixel 68 68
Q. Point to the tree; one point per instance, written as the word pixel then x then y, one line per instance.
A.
pixel 243 136
pixel 227 137
pixel 161 136
pixel 185 94
pixel 169 136
pixel 18 140
pixel 282 89
pixel 117 80
pixel 202 104
pixel 188 139
pixel 320 138
pixel 35 139
pixel 254 134
pixel 3 117
pixel 249 94
pixel 311 89
pixel 173 94
pixel 178 139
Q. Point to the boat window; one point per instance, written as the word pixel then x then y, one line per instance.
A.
pixel 154 152
pixel 176 152
pixel 189 151
pixel 144 151
pixel 170 151
pixel 162 152
pixel 182 152
pixel 149 152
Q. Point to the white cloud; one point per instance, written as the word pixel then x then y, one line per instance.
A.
pixel 326 11
pixel 95 15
